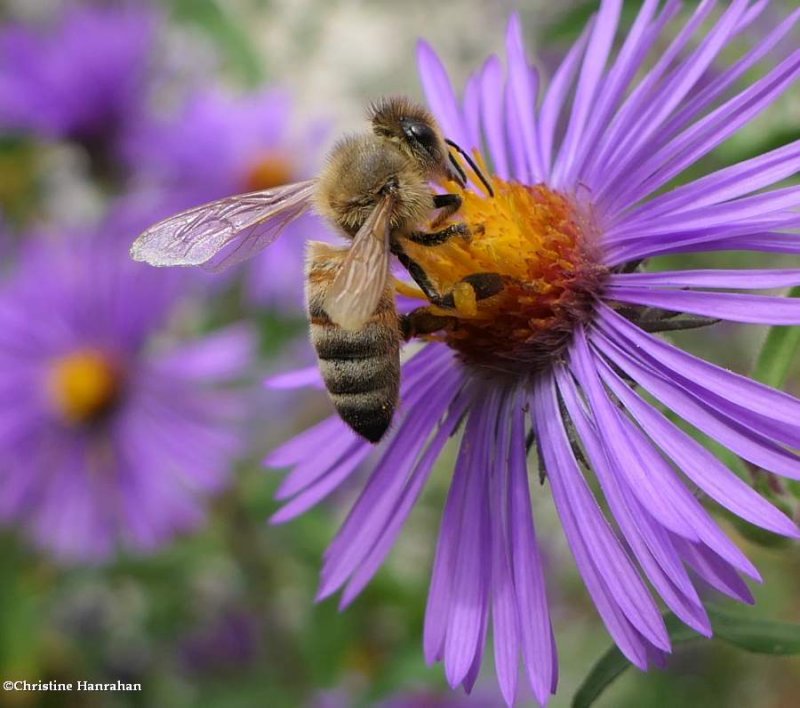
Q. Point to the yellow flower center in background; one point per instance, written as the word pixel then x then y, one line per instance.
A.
pixel 541 245
pixel 271 170
pixel 83 385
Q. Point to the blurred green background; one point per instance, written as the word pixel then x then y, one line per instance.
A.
pixel 227 617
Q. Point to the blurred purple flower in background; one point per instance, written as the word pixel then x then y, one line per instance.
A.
pixel 82 78
pixel 111 434
pixel 218 146
pixel 340 698
pixel 227 641
pixel 554 360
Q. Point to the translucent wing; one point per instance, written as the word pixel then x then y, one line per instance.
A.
pixel 222 233
pixel 362 278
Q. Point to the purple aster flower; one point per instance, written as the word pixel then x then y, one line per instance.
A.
pixel 219 146
pixel 82 78
pixel 227 641
pixel 558 363
pixel 111 432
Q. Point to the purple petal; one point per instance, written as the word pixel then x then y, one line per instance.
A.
pixel 322 486
pixel 516 144
pixel 638 42
pixel 313 438
pixel 492 115
pixel 703 239
pixel 536 632
pixel 472 112
pixel 299 378
pixel 728 431
pixel 702 522
pixel 474 670
pixel 619 593
pixel 379 498
pixel 556 96
pixel 441 592
pixel 310 469
pixel 718 385
pixel 225 354
pixel 656 489
pixel 767 242
pixel 505 616
pixel 703 468
pixel 594 63
pixel 616 138
pixel 648 541
pixel 523 86
pixel 713 570
pixel 680 82
pixel 724 185
pixel 419 476
pixel 439 93
pixel 631 453
pixel 734 307
pixel 739 212
pixel 746 279
pixel 470 584
pixel 709 132
pixel 720 83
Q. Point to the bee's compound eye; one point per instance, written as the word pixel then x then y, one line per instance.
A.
pixel 420 132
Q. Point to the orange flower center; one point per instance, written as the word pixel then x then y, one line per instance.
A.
pixel 271 170
pixel 83 386
pixel 541 244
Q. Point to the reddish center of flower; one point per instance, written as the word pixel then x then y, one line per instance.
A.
pixel 83 385
pixel 541 244
pixel 271 170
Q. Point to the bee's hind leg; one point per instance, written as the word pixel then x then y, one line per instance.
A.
pixel 485 285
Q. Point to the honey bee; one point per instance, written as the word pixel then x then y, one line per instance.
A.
pixel 375 190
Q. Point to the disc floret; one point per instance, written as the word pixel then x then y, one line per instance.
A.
pixel 542 243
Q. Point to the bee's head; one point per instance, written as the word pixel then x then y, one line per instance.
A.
pixel 415 131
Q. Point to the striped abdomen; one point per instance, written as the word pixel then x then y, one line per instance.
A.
pixel 361 369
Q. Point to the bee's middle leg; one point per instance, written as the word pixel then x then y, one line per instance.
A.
pixel 449 204
pixel 437 238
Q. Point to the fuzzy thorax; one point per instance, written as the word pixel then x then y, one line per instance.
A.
pixel 542 245
pixel 83 386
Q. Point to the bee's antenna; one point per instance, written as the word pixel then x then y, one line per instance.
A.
pixel 459 169
pixel 472 164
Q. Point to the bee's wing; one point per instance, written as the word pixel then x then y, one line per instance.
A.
pixel 364 272
pixel 221 233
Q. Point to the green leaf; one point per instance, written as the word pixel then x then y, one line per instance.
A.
pixel 778 352
pixel 21 623
pixel 756 534
pixel 756 635
pixel 759 636
pixel 613 663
